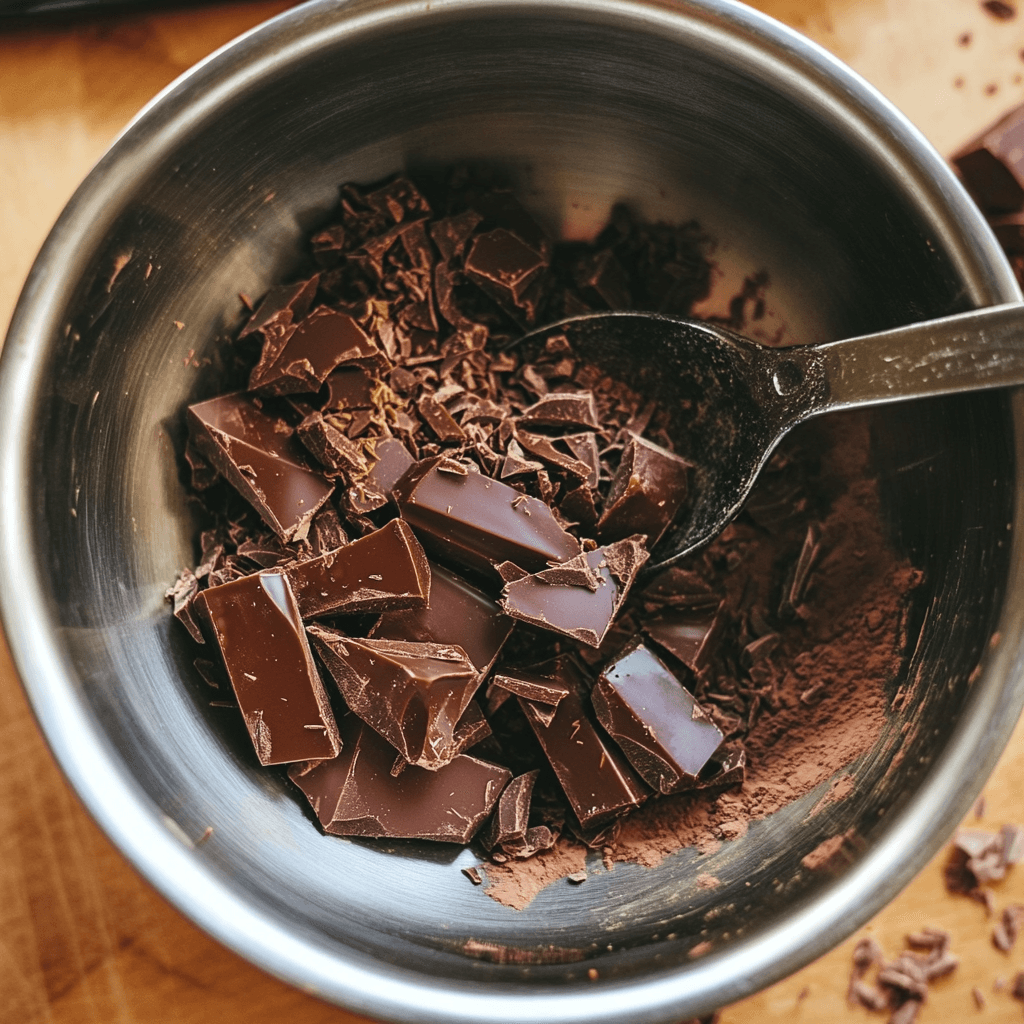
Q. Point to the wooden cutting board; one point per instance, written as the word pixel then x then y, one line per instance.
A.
pixel 83 940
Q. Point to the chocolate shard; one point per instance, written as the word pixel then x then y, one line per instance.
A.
pixel 330 446
pixel 472 728
pixel 992 165
pixel 384 571
pixel 457 613
pixel 597 781
pixel 648 490
pixel 349 388
pixel 688 633
pixel 544 448
pixel 662 730
pixel 726 767
pixel 265 465
pixel 475 521
pixel 255 620
pixel 534 686
pixel 388 460
pixel 562 409
pixel 581 597
pixel 440 421
pixel 504 267
pixel 281 307
pixel 413 694
pixel 584 447
pixel 355 794
pixel 507 828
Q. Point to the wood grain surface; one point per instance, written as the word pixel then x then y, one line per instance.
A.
pixel 83 940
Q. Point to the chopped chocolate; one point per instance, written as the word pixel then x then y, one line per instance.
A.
pixel 504 267
pixel 330 446
pixel 544 448
pixel 256 623
pixel 281 307
pixel 182 594
pixel 562 409
pixel 384 571
pixel 472 728
pixel 413 694
pixel 507 828
pixel 355 794
pixel 992 165
pixel 662 730
pixel 348 388
pixel 262 462
pixel 536 686
pixel 690 634
pixel 440 421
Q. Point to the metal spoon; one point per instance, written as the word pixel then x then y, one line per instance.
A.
pixel 731 400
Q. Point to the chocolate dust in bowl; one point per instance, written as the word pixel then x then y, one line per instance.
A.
pixel 422 576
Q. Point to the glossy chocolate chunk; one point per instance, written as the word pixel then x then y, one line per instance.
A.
pixel 503 266
pixel 255 620
pixel 355 794
pixel 562 409
pixel 350 387
pixel 507 828
pixel 662 730
pixel 545 448
pixel 383 571
pixel 581 597
pixel 992 165
pixel 388 460
pixel 413 694
pixel 281 307
pixel 688 633
pixel 440 421
pixel 532 685
pixel 725 768
pixel 648 489
pixel 472 728
pixel 457 613
pixel 597 781
pixel 330 446
pixel 472 520
pixel 263 463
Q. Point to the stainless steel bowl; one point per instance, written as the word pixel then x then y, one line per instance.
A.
pixel 689 109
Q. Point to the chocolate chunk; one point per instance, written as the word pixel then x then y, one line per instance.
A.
pixel 413 694
pixel 689 633
pixel 349 387
pixel 992 165
pixel 450 234
pixel 1000 10
pixel 475 521
pixel 544 448
pixel 584 448
pixel 648 489
pixel 662 730
pixel 581 597
pixel 507 828
pixel 457 613
pixel 516 463
pixel 562 409
pixel 355 794
pixel 183 595
pixel 472 728
pixel 281 307
pixel 265 465
pixel 726 767
pixel 440 421
pixel 255 620
pixel 389 460
pixel 598 783
pixel 330 446
pixel 384 571
pixel 504 267
pixel 533 686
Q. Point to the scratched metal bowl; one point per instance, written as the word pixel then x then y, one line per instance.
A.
pixel 692 109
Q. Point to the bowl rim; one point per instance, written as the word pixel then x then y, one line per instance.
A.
pixel 155 845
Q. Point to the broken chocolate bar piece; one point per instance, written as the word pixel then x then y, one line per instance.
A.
pixel 355 794
pixel 581 597
pixel 598 783
pixel 504 267
pixel 535 686
pixel 507 828
pixel 413 694
pixel 281 307
pixel 384 571
pixel 562 409
pixel 255 620
pixel 992 165
pixel 688 633
pixel 265 465
pixel 472 520
pixel 330 446
pixel 662 730
pixel 349 387
pixel 457 613
pixel 648 489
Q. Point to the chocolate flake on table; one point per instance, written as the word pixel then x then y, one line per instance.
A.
pixel 1007 928
pixel 354 794
pixel 978 857
pixel 255 621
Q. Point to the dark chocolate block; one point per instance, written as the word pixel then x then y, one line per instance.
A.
pixel 503 266
pixel 355 794
pixel 562 409
pixel 507 827
pixel 688 633
pixel 662 730
pixel 255 620
pixel 265 465
pixel 281 307
pixel 992 165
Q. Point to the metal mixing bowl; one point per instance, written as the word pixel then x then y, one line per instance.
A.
pixel 706 110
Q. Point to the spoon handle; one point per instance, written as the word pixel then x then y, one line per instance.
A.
pixel 983 348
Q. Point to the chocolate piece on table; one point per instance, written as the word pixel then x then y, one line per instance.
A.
pixel 281 307
pixel 267 467
pixel 562 409
pixel 688 633
pixel 330 446
pixel 662 730
pixel 475 521
pixel 355 794
pixel 413 694
pixel 597 781
pixel 581 597
pixel 255 620
pixel 992 165
pixel 507 828
pixel 503 266
pixel 648 489
pixel 383 571
pixel 457 613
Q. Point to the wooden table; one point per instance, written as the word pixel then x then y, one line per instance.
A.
pixel 82 937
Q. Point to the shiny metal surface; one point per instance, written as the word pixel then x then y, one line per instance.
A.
pixel 687 109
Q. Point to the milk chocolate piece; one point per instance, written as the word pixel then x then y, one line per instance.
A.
pixel 688 633
pixel 562 409
pixel 648 489
pixel 532 685
pixel 265 465
pixel 581 597
pixel 457 613
pixel 992 165
pixel 255 620
pixel 389 461
pixel 440 421
pixel 474 521
pixel 598 783
pixel 355 794
pixel 544 448
pixel 330 446
pixel 662 730
pixel 507 828
pixel 413 694
pixel 383 571
pixel 472 728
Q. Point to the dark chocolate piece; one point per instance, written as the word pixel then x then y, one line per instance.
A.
pixel 255 620
pixel 457 613
pixel 475 521
pixel 688 633
pixel 544 448
pixel 504 267
pixel 648 489
pixel 330 446
pixel 662 730
pixel 535 686
pixel 413 694
pixel 992 165
pixel 440 421
pixel 383 571
pixel 598 783
pixel 265 465
pixel 389 460
pixel 355 794
pixel 562 409
pixel 507 828
pixel 581 597
pixel 349 387
pixel 281 307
